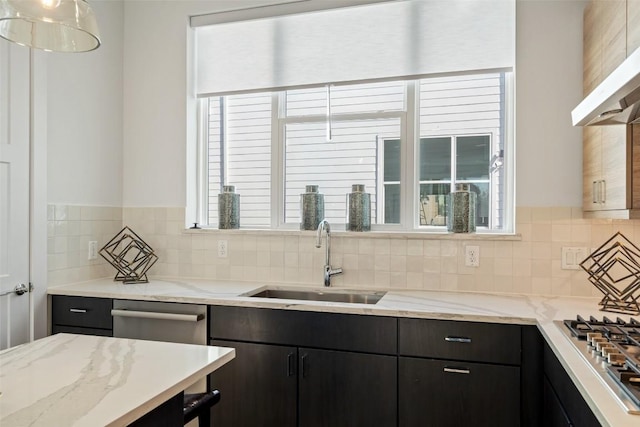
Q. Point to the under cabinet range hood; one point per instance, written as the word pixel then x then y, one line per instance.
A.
pixel 614 101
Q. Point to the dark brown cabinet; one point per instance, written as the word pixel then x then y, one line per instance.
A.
pixel 339 388
pixel 451 394
pixel 554 413
pixel 566 407
pixel 81 315
pixel 258 388
pixel 454 373
pixel 305 368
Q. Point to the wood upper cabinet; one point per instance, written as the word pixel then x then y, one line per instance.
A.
pixel 606 174
pixel 604 40
pixel 633 26
pixel 611 32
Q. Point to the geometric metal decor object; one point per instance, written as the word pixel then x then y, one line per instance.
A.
pixel 130 255
pixel 614 268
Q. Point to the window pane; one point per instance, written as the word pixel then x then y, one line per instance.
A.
pixel 306 102
pixel 470 110
pixel 367 98
pixel 433 207
pixel 240 154
pixel 482 203
pixel 358 98
pixel 472 157
pixel 351 157
pixel 392 203
pixel 392 160
pixel 435 159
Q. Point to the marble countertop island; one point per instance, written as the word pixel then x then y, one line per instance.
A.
pixel 540 310
pixel 81 380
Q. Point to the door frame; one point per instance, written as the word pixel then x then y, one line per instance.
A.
pixel 38 269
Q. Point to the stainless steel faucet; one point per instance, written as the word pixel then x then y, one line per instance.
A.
pixel 328 271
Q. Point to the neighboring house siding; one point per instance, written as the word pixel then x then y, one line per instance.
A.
pixel 248 158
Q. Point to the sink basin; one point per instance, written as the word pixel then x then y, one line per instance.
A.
pixel 321 295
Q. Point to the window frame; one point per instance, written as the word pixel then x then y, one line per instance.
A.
pixel 409 159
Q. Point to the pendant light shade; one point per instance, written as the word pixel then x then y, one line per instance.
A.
pixel 52 25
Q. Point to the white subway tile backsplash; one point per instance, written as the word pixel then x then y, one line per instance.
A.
pixel 530 264
pixel 382 247
pixel 381 262
pixel 398 247
pixel 366 246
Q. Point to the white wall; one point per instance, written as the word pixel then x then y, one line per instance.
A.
pixel 84 117
pixel 155 104
pixel 549 75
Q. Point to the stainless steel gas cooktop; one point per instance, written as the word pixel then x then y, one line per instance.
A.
pixel 612 349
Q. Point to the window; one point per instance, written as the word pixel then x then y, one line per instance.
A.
pixel 380 93
pixel 409 143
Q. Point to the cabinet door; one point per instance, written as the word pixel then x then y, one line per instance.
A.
pixel 257 388
pixel 591 167
pixel 604 40
pixel 613 25
pixel 554 414
pixel 592 47
pixel 616 190
pixel 633 26
pixel 440 393
pixel 574 406
pixel 338 388
pixel 606 167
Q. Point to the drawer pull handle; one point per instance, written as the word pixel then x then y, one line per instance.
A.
pixel 78 310
pixel 290 371
pixel 457 370
pixel 157 315
pixel 303 360
pixel 458 339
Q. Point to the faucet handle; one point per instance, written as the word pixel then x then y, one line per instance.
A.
pixel 334 271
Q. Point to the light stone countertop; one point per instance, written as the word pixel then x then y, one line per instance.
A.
pixel 82 380
pixel 537 310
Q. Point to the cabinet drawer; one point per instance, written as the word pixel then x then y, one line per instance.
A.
pixel 333 331
pixel 444 339
pixel 81 311
pixel 454 393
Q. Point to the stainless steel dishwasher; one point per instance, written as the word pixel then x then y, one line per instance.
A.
pixel 162 321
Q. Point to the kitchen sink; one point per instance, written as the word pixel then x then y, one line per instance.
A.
pixel 359 297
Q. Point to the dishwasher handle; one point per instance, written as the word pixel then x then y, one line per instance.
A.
pixel 157 315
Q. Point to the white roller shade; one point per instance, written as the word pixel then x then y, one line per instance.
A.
pixel 379 41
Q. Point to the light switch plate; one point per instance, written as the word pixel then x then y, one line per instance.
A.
pixel 572 256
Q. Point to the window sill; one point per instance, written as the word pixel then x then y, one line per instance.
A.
pixel 409 235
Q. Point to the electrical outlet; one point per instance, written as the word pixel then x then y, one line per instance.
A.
pixel 472 256
pixel 93 250
pixel 223 249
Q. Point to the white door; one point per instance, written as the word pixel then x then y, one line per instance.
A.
pixel 15 316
